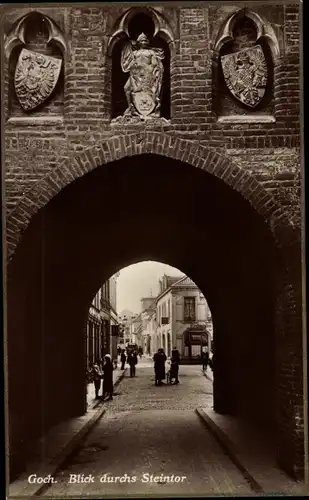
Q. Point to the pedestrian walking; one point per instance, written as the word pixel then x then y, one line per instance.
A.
pixel 123 359
pixel 97 374
pixel 205 359
pixel 175 362
pixel 132 360
pixel 108 377
pixel 211 362
pixel 159 366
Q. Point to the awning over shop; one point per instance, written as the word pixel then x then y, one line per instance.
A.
pixel 196 337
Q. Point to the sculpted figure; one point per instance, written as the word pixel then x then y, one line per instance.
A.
pixel 144 84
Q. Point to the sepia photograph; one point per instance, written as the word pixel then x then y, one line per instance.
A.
pixel 154 259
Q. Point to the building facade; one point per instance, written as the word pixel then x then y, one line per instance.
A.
pixel 126 319
pixel 102 323
pixel 149 332
pixel 182 318
pixel 96 334
pixel 148 323
pixel 113 316
pixel 136 329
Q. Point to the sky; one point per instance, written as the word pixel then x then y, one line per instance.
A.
pixel 140 280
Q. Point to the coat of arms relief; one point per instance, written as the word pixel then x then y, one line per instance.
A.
pixel 36 76
pixel 245 74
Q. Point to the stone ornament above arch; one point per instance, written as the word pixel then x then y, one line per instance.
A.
pixel 16 36
pixel 264 30
pixel 121 146
pixel 121 27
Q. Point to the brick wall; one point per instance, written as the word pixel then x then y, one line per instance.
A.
pixel 87 110
pixel 261 160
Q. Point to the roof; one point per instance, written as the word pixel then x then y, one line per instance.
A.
pixel 126 312
pixel 181 283
pixel 149 313
pixel 138 318
pixel 184 282
pixel 138 330
pixel 172 279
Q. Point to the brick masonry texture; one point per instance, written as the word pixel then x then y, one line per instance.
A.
pixel 47 150
pixel 269 152
pixel 238 177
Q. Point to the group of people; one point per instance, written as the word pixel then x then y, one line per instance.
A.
pixel 159 366
pixel 103 370
pixel 131 359
pixel 159 358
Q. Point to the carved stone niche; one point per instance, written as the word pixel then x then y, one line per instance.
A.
pixel 141 39
pixel 245 51
pixel 34 48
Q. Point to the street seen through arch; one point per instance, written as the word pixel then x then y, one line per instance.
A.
pixel 154 323
pixel 149 391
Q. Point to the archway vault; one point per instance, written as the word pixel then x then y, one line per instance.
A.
pixel 144 142
pixel 146 206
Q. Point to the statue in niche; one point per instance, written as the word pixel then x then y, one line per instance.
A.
pixel 143 88
pixel 245 74
pixel 36 76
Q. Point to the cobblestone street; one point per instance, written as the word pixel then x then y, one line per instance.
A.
pixel 140 393
pixel 152 430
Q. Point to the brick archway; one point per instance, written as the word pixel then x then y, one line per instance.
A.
pixel 66 236
pixel 166 145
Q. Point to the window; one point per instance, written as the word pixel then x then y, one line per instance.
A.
pixel 164 309
pixel 189 309
pixel 165 313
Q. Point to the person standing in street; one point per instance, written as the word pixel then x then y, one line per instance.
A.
pixel 123 359
pixel 97 377
pixel 211 362
pixel 159 366
pixel 205 358
pixel 132 360
pixel 108 377
pixel 175 362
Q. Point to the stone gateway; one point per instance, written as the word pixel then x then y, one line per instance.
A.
pixel 166 132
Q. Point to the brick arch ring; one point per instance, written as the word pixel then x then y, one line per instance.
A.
pixel 121 146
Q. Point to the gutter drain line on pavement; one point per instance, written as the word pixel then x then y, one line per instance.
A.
pixel 77 446
pixel 254 485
